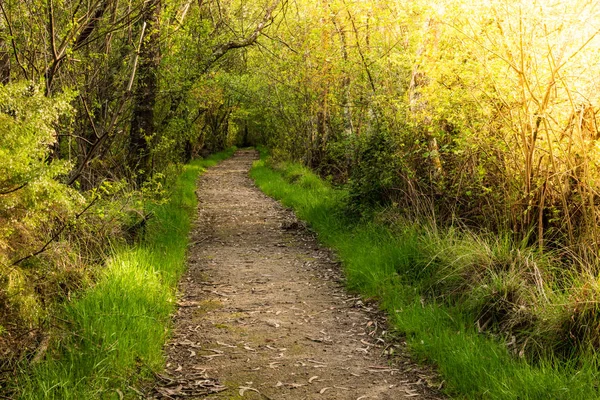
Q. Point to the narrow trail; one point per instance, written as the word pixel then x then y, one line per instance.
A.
pixel 264 314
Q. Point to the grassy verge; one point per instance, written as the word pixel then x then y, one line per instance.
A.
pixel 390 264
pixel 115 331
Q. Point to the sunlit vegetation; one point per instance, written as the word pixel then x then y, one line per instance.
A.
pixel 476 119
pixel 479 112
pixel 470 130
pixel 466 131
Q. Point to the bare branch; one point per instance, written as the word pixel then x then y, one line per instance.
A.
pixel 55 236
pixel 14 189
pixel 221 50
pixel 12 40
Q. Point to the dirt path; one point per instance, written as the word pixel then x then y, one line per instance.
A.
pixel 263 314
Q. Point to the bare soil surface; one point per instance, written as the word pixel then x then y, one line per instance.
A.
pixel 263 312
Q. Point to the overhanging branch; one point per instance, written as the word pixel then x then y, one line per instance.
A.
pixel 222 49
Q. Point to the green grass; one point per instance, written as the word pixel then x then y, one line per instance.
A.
pixel 391 265
pixel 114 332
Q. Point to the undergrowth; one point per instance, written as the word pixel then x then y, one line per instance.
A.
pixel 454 295
pixel 111 337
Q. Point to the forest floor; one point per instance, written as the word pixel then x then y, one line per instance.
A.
pixel 263 312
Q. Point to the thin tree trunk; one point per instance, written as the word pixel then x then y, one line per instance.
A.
pixel 4 51
pixel 142 122
pixel 4 59
pixel 347 102
pixel 418 106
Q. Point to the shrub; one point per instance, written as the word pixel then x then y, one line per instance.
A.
pixel 375 174
pixel 34 203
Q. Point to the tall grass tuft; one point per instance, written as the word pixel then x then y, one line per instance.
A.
pixel 112 335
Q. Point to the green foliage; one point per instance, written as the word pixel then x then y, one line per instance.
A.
pixel 72 181
pixel 377 171
pixel 33 201
pixel 489 120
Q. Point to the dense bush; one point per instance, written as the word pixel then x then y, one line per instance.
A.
pixel 377 172
pixel 34 204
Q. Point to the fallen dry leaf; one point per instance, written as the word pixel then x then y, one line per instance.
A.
pixel 273 323
pixel 187 303
pixel 383 370
pixel 210 357
pixel 243 390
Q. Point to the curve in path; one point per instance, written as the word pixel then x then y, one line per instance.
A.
pixel 263 313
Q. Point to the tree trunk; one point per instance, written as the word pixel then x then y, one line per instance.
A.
pixel 142 122
pixel 4 54
pixel 419 107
